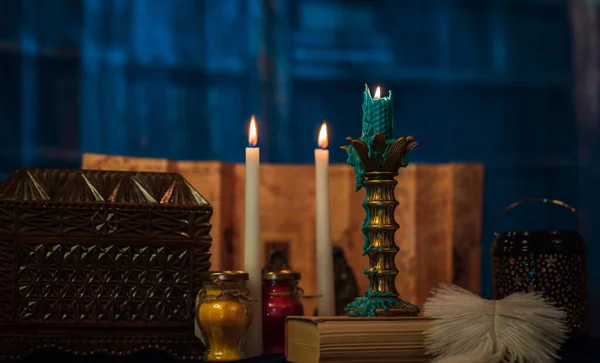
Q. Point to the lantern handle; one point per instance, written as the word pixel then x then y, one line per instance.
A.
pixel 535 200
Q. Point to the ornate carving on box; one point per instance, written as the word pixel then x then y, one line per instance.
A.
pixel 100 261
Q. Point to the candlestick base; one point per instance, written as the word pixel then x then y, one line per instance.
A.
pixel 373 306
pixel 376 166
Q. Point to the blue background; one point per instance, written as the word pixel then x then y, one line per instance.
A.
pixel 473 80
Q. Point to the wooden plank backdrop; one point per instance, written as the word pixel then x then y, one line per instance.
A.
pixel 439 214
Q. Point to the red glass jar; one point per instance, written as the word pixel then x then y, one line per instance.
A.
pixel 281 298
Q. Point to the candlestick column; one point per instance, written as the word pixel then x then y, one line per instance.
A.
pixel 325 281
pixel 379 170
pixel 377 158
pixel 252 245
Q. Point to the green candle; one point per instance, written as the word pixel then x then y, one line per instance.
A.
pixel 378 115
pixel 377 118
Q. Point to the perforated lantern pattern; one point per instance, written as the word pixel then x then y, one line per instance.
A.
pixel 560 275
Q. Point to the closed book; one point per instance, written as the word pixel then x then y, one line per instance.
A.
pixel 356 340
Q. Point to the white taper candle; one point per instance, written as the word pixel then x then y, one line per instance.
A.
pixel 325 282
pixel 252 245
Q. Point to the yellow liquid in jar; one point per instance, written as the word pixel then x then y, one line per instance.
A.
pixel 224 323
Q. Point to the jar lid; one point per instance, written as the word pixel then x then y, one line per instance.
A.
pixel 281 275
pixel 225 276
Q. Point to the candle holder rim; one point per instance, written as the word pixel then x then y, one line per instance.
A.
pixel 225 276
pixel 375 172
pixel 281 275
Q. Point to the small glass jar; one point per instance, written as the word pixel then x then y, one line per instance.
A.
pixel 281 298
pixel 224 313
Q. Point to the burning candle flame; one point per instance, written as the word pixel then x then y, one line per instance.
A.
pixel 252 133
pixel 323 139
pixel 377 94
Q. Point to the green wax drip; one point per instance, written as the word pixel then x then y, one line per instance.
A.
pixel 388 143
pixel 370 294
pixel 365 227
pixel 354 161
pixel 360 182
pixel 367 306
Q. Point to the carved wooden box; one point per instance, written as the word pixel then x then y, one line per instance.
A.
pixel 100 261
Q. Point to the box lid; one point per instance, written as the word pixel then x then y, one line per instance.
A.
pixel 100 186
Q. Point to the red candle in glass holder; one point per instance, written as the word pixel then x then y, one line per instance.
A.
pixel 281 298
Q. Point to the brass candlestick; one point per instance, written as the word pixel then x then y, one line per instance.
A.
pixel 376 167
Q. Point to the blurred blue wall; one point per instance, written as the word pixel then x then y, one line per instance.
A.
pixel 473 80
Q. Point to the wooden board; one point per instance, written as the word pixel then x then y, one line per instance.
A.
pixel 123 163
pixel 214 180
pixel 439 214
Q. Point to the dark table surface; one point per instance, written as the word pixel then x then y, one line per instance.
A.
pixel 586 351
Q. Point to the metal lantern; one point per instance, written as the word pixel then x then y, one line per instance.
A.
pixel 551 262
